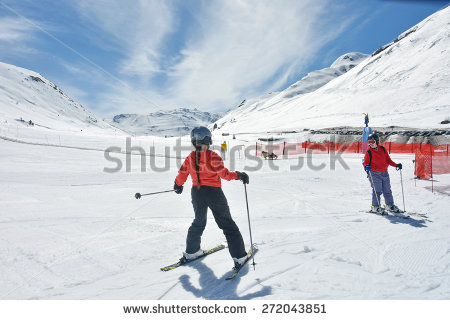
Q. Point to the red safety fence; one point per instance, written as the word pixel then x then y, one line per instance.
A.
pixel 288 148
pixel 394 147
pixel 430 159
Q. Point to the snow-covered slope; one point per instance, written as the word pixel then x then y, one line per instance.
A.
pixel 26 95
pixel 164 123
pixel 70 230
pixel 405 83
pixel 316 79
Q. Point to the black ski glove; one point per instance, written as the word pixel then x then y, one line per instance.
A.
pixel 399 166
pixel 243 177
pixel 178 189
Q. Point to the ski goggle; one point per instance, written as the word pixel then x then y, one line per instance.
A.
pixel 371 141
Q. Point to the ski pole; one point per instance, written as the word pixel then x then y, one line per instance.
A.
pixel 374 190
pixel 138 195
pixel 249 227
pixel 403 194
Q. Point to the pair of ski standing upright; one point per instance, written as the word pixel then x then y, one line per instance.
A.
pixel 206 169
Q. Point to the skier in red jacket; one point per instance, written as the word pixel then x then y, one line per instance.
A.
pixel 206 169
pixel 376 163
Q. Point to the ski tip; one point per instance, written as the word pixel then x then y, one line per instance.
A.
pixel 231 277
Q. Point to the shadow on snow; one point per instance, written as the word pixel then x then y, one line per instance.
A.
pixel 213 288
pixel 421 223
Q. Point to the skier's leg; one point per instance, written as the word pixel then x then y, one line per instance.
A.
pixel 377 188
pixel 197 227
pixel 221 211
pixel 387 192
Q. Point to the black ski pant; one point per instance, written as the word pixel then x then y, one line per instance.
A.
pixel 213 198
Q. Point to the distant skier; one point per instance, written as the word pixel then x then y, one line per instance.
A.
pixel 206 169
pixel 366 132
pixel 271 156
pixel 223 149
pixel 376 163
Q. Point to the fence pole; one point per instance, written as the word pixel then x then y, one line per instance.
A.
pixel 431 160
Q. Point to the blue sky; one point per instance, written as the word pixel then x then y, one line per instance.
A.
pixel 140 56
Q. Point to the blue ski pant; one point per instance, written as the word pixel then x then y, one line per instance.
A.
pixel 381 185
pixel 213 198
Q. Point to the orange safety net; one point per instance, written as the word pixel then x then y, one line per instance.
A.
pixel 422 163
pixel 293 148
pixel 288 148
pixel 430 159
pixel 440 164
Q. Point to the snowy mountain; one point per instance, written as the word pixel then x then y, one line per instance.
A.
pixel 26 95
pixel 164 123
pixel 404 83
pixel 316 79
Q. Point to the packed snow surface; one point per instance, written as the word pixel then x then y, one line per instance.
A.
pixel 70 230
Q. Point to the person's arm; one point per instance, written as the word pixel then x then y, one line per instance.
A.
pixel 219 167
pixel 389 160
pixel 366 160
pixel 183 173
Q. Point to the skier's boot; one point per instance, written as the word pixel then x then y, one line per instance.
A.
pixel 192 256
pixel 377 210
pixel 393 208
pixel 238 262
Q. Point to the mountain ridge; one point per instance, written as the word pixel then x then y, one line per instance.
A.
pixel 174 122
pixel 26 95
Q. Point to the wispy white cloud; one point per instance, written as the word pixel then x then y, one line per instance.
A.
pixel 138 28
pixel 245 44
pixel 230 49
pixel 15 34
pixel 14 29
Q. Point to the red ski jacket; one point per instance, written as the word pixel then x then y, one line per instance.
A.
pixel 211 170
pixel 380 159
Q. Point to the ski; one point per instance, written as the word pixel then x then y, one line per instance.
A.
pixel 403 214
pixel 422 215
pixel 406 213
pixel 184 261
pixel 389 214
pixel 235 270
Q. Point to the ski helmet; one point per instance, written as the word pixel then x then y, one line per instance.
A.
pixel 375 137
pixel 201 135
